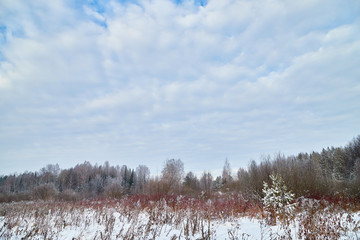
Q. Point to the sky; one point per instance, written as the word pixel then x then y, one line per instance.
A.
pixel 143 81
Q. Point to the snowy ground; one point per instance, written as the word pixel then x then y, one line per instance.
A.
pixel 101 221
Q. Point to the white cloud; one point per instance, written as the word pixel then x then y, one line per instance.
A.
pixel 342 33
pixel 4 82
pixel 156 79
pixel 94 14
pixel 128 98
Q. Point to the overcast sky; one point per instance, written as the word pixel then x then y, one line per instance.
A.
pixel 140 82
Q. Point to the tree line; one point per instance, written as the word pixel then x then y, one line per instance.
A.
pixel 333 171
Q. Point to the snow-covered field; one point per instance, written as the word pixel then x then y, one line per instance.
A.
pixel 159 220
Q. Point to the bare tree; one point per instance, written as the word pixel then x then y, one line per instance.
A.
pixel 143 175
pixel 206 182
pixel 49 173
pixel 172 175
pixel 226 174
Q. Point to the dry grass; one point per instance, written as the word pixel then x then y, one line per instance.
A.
pixel 170 217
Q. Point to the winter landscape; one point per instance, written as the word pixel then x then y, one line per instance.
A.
pixel 179 119
pixel 309 196
pixel 172 218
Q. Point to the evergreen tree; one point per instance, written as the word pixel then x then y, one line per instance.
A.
pixel 277 200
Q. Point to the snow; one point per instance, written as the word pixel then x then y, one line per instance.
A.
pixel 112 222
pixel 95 229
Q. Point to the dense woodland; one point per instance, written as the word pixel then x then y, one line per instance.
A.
pixel 335 171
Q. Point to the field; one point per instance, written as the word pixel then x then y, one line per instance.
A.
pixel 176 217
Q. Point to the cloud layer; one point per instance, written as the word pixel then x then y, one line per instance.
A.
pixel 140 82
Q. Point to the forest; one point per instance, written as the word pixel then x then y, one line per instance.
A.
pixel 332 173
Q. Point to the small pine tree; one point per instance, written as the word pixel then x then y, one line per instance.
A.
pixel 277 200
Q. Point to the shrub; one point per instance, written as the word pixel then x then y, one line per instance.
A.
pixel 114 190
pixel 68 195
pixel 45 191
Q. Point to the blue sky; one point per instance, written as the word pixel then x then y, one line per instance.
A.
pixel 139 82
